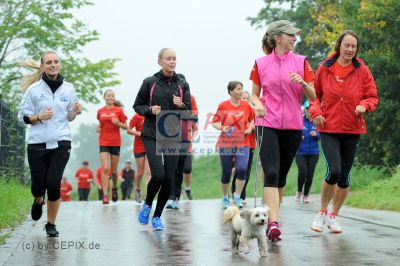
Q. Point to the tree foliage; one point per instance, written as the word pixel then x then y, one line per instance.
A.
pixel 30 27
pixel 376 21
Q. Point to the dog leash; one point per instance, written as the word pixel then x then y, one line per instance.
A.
pixel 259 143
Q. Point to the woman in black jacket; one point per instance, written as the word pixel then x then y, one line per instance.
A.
pixel 164 100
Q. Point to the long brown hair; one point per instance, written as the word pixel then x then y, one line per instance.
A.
pixel 29 79
pixel 340 40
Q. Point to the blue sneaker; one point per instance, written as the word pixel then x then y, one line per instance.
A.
pixel 175 205
pixel 169 204
pixel 225 202
pixel 237 201
pixel 144 213
pixel 157 224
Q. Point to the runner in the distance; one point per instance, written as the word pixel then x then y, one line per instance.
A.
pixel 111 119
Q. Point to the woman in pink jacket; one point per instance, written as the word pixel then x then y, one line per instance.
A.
pixel 282 76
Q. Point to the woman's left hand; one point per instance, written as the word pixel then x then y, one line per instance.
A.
pixel 77 108
pixel 360 109
pixel 177 101
pixel 296 78
pixel 115 121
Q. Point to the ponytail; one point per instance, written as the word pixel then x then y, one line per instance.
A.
pixel 29 79
pixel 268 43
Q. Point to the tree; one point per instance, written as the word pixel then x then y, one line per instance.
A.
pixel 30 27
pixel 376 21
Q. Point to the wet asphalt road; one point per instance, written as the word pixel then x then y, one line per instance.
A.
pixel 92 234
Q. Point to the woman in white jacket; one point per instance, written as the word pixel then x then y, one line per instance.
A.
pixel 48 104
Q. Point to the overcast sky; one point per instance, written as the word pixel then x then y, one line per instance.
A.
pixel 213 40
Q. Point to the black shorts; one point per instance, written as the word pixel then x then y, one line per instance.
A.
pixel 113 150
pixel 139 155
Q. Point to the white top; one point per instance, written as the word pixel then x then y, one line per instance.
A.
pixel 38 98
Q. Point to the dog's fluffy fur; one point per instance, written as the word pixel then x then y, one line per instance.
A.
pixel 245 225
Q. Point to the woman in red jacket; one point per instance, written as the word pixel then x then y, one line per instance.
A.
pixel 345 90
pixel 111 118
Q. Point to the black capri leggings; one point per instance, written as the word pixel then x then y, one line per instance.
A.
pixel 162 169
pixel 47 168
pixel 339 151
pixel 277 152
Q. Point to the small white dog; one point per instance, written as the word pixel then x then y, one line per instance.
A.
pixel 245 225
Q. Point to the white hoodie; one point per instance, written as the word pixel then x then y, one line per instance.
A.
pixel 38 98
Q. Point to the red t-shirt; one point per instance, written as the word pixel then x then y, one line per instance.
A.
pixel 308 73
pixel 65 188
pixel 137 123
pixel 195 110
pixel 252 136
pixel 109 133
pixel 98 175
pixel 237 117
pixel 84 177
pixel 341 72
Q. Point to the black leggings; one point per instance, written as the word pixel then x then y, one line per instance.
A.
pixel 184 167
pixel 277 152
pixel 83 194
pixel 233 187
pixel 162 169
pixel 306 166
pixel 339 151
pixel 47 168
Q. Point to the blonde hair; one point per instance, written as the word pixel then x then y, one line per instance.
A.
pixel 29 79
pixel 162 52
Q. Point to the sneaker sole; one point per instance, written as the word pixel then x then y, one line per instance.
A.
pixel 334 231
pixel 158 229
pixel 316 229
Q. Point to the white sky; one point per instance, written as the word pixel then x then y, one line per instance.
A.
pixel 213 40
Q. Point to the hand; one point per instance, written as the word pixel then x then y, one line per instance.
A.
pixel 319 121
pixel 360 109
pixel 225 129
pixel 77 108
pixel 98 129
pixel 115 121
pixel 296 78
pixel 313 133
pixel 46 115
pixel 156 109
pixel 248 131
pixel 177 101
pixel 259 109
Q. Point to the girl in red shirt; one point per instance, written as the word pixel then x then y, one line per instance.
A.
pixel 234 118
pixel 65 190
pixel 84 176
pixel 139 152
pixel 111 118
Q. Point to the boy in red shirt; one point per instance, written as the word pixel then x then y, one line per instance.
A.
pixel 84 176
pixel 65 190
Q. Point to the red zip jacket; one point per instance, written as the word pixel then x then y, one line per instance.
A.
pixel 337 101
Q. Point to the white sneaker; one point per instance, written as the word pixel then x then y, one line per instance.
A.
pixel 319 221
pixel 333 224
pixel 298 196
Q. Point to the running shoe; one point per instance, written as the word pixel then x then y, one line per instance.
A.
pixel 225 202
pixel 175 205
pixel 114 194
pixel 306 199
pixel 137 197
pixel 273 231
pixel 169 204
pixel 51 230
pixel 157 224
pixel 333 224
pixel 105 199
pixel 144 213
pixel 36 210
pixel 189 194
pixel 319 221
pixel 237 201
pixel 298 196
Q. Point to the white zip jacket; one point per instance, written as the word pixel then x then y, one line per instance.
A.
pixel 38 98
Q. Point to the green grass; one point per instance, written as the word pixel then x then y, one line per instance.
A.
pixel 15 203
pixel 380 195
